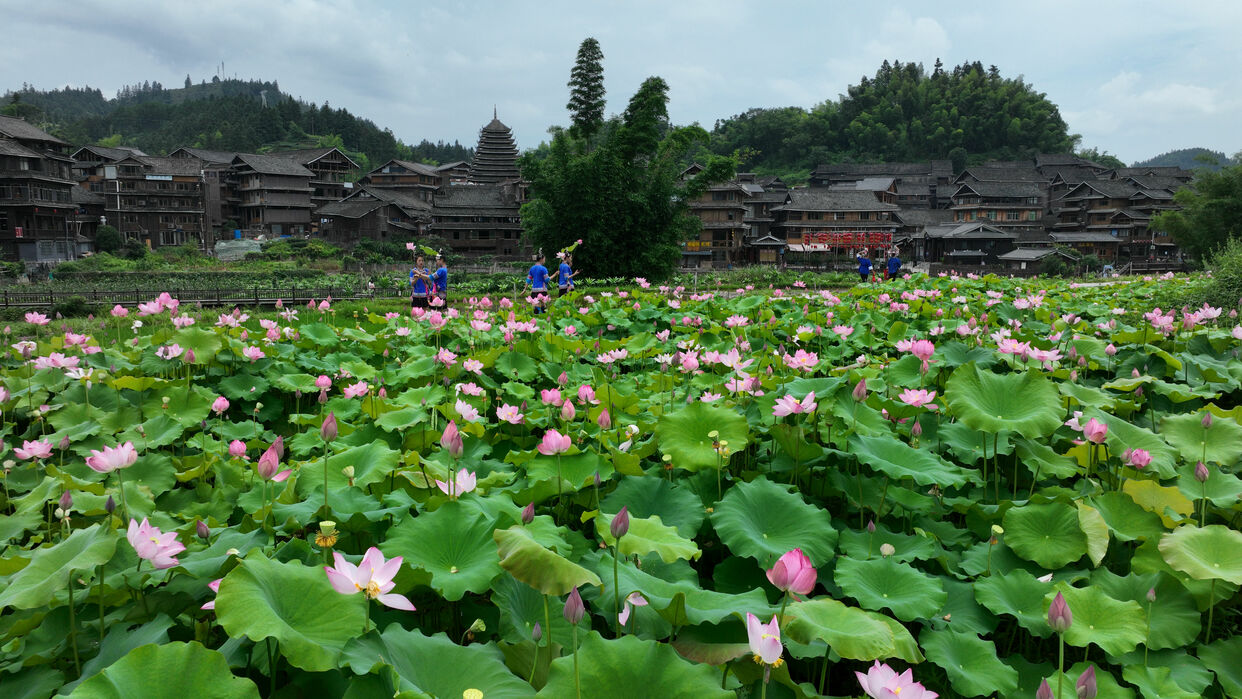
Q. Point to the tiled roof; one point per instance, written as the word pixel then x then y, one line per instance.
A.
pixel 1027 254
pixel 350 208
pixel 478 196
pixel 975 230
pixel 16 149
pixel 23 130
pixel 1084 237
pixel 1023 173
pixel 833 200
pixel 305 156
pixel 170 166
pixel 109 153
pixel 272 165
pixel 1003 189
pixel 218 157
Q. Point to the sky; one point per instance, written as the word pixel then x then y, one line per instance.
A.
pixel 1134 78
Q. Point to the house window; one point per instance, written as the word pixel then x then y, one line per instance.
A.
pixel 864 216
pixel 838 215
pixel 814 216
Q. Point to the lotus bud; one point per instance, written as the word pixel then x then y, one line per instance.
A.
pixel 1201 472
pixel 327 430
pixel 60 513
pixel 1059 615
pixel 604 420
pixel 1135 373
pixel 1044 691
pixel 620 524
pixel 189 357
pixel 200 528
pixel 451 440
pixel 567 411
pixel 164 401
pixel 1151 594
pixel 562 380
pixel 536 633
pixel 1206 421
pixel 1086 686
pixel 528 513
pixel 64 443
pixel 871 526
pixel 66 501
pixel 887 549
pixel 916 430
pixel 598 482
pixel 1073 375
pixel 574 608
pixel 1110 350
pixel 860 390
pixel 110 505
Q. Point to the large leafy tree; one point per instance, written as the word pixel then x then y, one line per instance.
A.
pixel 626 199
pixel 586 90
pixel 1211 212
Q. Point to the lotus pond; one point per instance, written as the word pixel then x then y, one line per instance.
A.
pixel 954 486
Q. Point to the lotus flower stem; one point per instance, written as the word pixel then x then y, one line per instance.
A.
pixel 1207 638
pixel 547 626
pixel 121 487
pixel 271 672
pixel 101 603
pixel 577 681
pixel 1060 663
pixel 327 510
pixel 73 629
pixel 616 588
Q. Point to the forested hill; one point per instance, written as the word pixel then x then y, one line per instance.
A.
pixel 967 114
pixel 229 115
pixel 1188 158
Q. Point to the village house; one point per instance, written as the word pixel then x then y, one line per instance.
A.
pixel 154 200
pixel 377 213
pixel 818 224
pixel 36 198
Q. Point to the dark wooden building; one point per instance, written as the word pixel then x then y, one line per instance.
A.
pixel 377 213
pixel 330 173
pixel 480 220
pixel 36 197
pixel 154 200
pixel 419 179
pixel 273 193
pixel 495 158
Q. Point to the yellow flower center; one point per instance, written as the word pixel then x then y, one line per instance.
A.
pixel 373 590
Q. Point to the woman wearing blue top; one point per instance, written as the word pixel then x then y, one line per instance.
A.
pixel 894 266
pixel 538 280
pixel 440 278
pixel 864 266
pixel 564 276
pixel 419 276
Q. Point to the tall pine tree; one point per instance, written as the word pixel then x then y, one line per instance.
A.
pixel 586 90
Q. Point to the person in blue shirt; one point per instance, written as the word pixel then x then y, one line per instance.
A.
pixel 440 279
pixel 864 266
pixel 564 276
pixel 538 280
pixel 419 276
pixel 894 266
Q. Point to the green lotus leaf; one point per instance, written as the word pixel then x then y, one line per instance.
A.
pixel 1106 685
pixel 1173 619
pixel 37 584
pixel 676 505
pixel 515 365
pixel 1221 488
pixel 648 535
pixel 616 669
pixel 1042 461
pixel 188 408
pixel 882 583
pixel 577 470
pixel 850 632
pixel 1221 443
pixel 320 335
pixel 762 520
pixel 970 662
pixel 521 607
pixel 962 612
pixel 898 460
pixel 955 354
pixel 1018 594
pixel 1156 682
pixel 1086 395
pixel 293 604
pixel 435 665
pixel 1096 531
pixel 967 444
pixel 1026 402
pixel 402 419
pixel 1115 626
pixel 1186 670
pixel 453 544
pixel 1221 657
pixel 38 682
pixel 1047 534
pixel 906 547
pixel 680 603
pixel 684 435
pixel 544 570
pixel 1213 552
pixel 1125 518
pixel 372 463
pixel 167 672
pixel 120 641
pixel 204 343
pixel 903 643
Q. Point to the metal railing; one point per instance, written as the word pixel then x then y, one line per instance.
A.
pixel 216 296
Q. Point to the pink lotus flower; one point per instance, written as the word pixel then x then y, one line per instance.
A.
pixel 269 464
pixel 843 331
pixel 788 405
pixel 215 587
pixel 119 311
pixel 446 357
pixel 634 599
pixel 37 449
pixel 451 440
pixel 802 360
pixel 35 318
pixel 860 390
pixel 153 545
pixel 253 353
pixel 463 482
pixel 323 382
pixel 882 682
pixel 1138 458
pixel 373 578
pixel 237 449
pixel 764 639
pixel 356 390
pixel 219 405
pixel 112 458
pixel 510 414
pixel 1095 431
pixel 554 443
pixel 328 429
pixel 568 412
pixel 467 412
pixel 917 397
pixel 473 366
pixel 551 396
pixel 1060 618
pixel 794 573
pixel 470 389
pixel 586 394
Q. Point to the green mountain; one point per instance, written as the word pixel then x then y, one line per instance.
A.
pixel 1189 158
pixel 903 113
pixel 229 115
